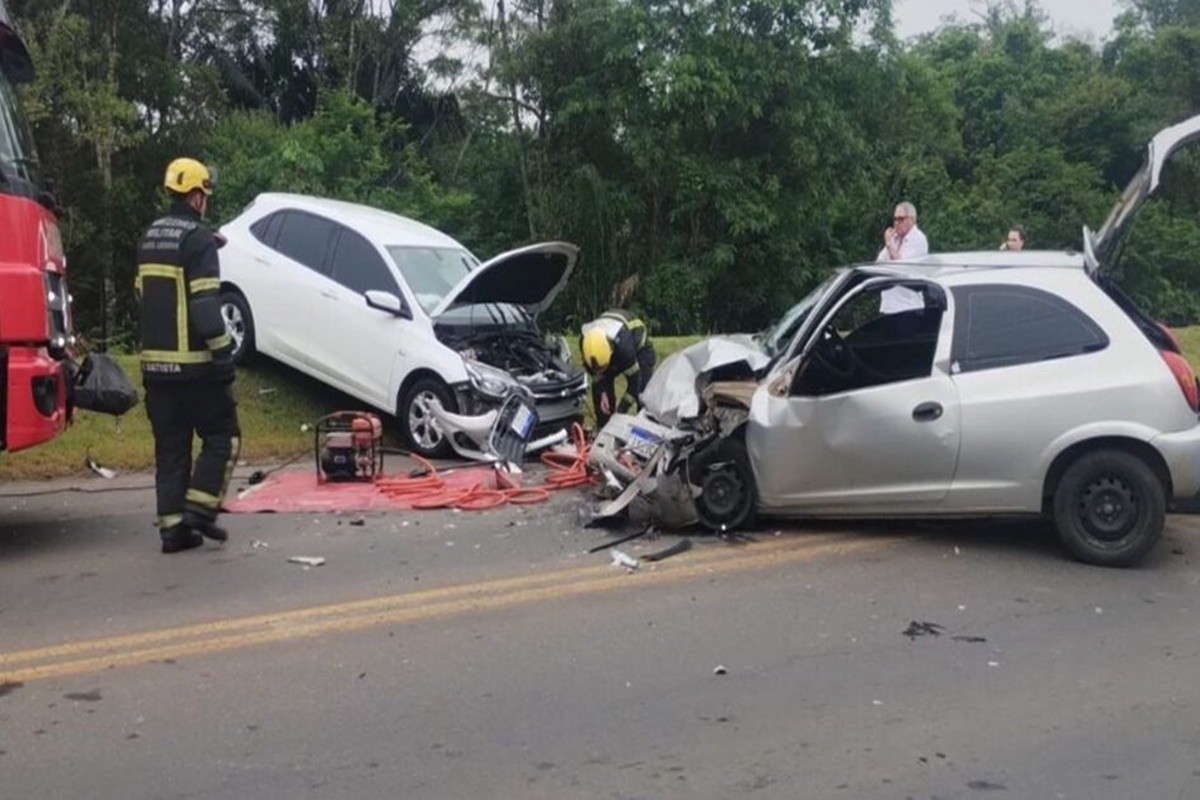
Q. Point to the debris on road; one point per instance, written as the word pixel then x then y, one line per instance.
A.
pixel 720 670
pixel 972 639
pixel 682 546
pixel 359 521
pixel 103 472
pixel 621 559
pixel 307 561
pixel 622 540
pixel 259 544
pixel 916 629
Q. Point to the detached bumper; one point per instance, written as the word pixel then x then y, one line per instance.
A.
pixel 1181 451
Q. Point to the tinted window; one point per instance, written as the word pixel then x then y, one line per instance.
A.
pixel 266 230
pixel 999 326
pixel 305 237
pixel 359 267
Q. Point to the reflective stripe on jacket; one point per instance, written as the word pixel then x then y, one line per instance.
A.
pixel 178 285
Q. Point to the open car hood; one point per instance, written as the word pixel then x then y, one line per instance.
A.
pixel 529 277
pixel 1099 247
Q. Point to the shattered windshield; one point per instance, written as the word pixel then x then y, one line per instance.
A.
pixel 431 272
pixel 776 338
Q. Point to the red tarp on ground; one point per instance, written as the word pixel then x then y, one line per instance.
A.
pixel 297 491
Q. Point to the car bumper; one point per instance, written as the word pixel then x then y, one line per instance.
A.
pixel 1181 451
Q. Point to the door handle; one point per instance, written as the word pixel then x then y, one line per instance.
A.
pixel 928 412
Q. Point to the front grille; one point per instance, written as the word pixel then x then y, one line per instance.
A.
pixel 559 409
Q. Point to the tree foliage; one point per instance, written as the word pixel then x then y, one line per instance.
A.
pixel 719 155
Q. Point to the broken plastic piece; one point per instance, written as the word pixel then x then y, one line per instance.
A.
pixel 308 561
pixel 103 472
pixel 621 559
pixel 720 670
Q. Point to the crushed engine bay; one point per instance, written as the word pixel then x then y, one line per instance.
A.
pixel 683 458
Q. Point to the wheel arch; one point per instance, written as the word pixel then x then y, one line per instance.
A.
pixel 414 376
pixel 1136 447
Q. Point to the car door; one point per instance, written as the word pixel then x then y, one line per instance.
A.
pixel 866 419
pixel 297 270
pixel 358 345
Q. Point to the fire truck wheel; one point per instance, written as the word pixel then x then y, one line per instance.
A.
pixel 240 323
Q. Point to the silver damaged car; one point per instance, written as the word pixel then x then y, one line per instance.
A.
pixel 957 385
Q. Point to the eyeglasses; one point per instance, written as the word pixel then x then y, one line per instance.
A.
pixel 899 219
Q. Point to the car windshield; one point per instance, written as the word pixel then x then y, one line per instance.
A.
pixel 431 272
pixel 777 337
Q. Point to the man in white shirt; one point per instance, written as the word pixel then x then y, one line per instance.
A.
pixel 904 239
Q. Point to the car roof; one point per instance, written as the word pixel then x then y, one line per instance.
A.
pixel 945 265
pixel 383 227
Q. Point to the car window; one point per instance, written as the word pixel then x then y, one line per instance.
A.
pixel 305 238
pixel 358 266
pixel 1004 325
pixel 431 272
pixel 266 230
pixel 883 334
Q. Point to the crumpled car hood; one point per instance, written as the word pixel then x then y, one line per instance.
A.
pixel 672 395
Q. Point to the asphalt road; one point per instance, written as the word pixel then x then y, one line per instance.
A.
pixel 457 655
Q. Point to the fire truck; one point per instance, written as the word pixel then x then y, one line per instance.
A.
pixel 35 313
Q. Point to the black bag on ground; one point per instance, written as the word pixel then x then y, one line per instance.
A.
pixel 101 385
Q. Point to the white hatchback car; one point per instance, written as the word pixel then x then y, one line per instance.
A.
pixel 396 313
pixel 958 384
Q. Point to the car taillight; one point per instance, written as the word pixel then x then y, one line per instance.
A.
pixel 1171 335
pixel 1184 376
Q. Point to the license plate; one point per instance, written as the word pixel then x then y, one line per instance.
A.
pixel 522 422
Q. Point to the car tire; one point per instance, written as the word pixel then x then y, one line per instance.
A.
pixel 1110 508
pixel 728 493
pixel 416 423
pixel 240 324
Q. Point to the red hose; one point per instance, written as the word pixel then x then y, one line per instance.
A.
pixel 428 491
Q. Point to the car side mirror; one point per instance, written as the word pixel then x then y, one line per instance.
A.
pixel 388 302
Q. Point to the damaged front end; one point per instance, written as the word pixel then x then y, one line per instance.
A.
pixel 684 459
pixel 505 355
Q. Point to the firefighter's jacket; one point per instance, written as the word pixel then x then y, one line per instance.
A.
pixel 632 353
pixel 178 284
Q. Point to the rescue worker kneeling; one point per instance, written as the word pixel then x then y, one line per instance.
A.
pixel 186 360
pixel 616 344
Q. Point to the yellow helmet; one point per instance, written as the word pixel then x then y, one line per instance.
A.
pixel 597 350
pixel 186 174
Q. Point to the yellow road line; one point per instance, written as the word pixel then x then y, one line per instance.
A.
pixel 139 648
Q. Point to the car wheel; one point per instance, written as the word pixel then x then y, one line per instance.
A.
pixel 417 421
pixel 1110 508
pixel 727 490
pixel 240 324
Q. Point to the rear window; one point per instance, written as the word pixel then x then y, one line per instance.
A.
pixel 1003 325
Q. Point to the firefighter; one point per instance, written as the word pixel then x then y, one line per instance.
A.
pixel 617 343
pixel 187 364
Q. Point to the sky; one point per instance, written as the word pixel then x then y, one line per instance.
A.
pixel 1088 19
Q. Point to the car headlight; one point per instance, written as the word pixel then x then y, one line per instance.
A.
pixel 491 382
